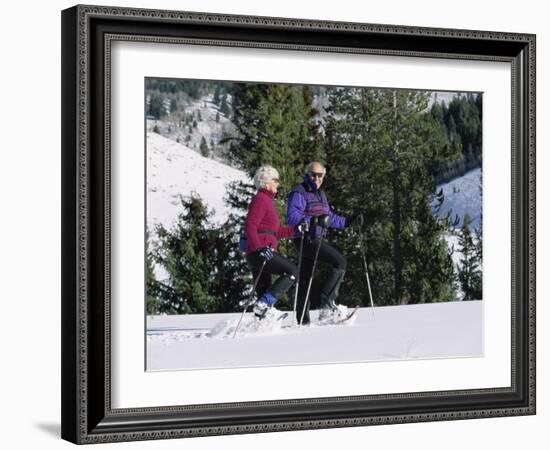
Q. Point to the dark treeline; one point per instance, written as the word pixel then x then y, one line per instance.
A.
pixel 194 89
pixel 385 152
pixel 168 96
pixel 461 122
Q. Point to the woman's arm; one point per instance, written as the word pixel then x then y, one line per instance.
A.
pixel 285 232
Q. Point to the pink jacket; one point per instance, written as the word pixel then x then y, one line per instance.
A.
pixel 262 216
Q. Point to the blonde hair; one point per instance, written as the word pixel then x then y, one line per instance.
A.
pixel 264 175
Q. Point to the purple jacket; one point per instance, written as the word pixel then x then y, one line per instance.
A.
pixel 305 202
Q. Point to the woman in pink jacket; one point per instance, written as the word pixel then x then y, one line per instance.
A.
pixel 263 230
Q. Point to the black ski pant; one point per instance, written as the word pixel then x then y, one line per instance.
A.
pixel 278 265
pixel 327 255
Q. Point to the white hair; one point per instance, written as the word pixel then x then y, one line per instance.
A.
pixel 308 168
pixel 264 175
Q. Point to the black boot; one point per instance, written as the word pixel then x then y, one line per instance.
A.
pixel 331 288
pixel 329 311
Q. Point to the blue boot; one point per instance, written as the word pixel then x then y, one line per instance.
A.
pixel 263 304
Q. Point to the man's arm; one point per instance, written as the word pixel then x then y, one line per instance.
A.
pixel 336 221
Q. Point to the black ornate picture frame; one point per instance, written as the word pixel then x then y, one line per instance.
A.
pixel 87 412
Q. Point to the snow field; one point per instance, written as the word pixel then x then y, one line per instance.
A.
pixel 428 331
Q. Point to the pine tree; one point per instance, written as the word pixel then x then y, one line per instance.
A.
pixel 224 106
pixel 152 303
pixel 155 106
pixel 274 127
pixel 204 271
pixel 382 147
pixel 217 92
pixel 205 151
pixel 469 274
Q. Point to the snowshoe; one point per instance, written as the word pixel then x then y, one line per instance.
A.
pixel 334 315
pixel 350 317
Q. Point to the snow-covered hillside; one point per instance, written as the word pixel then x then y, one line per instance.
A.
pixel 209 122
pixel 462 195
pixel 440 330
pixel 174 169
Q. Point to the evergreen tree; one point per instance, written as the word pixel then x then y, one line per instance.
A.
pixel 224 106
pixel 204 272
pixel 478 246
pixel 205 151
pixel 217 92
pixel 381 148
pixel 469 274
pixel 274 127
pixel 152 302
pixel 155 106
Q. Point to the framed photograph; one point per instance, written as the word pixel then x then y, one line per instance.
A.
pixel 282 224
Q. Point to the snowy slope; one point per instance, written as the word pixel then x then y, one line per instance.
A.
pixel 174 169
pixel 440 330
pixel 204 113
pixel 462 196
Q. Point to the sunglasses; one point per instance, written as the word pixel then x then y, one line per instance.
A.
pixel 316 174
pixel 276 180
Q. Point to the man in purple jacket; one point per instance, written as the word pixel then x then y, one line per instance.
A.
pixel 308 203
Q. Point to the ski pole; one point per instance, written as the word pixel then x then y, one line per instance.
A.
pixel 251 296
pixel 311 278
pixel 361 238
pixel 299 269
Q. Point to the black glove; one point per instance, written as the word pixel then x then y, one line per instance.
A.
pixel 356 221
pixel 323 220
pixel 265 253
